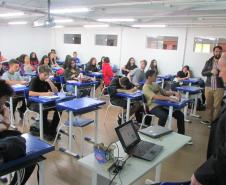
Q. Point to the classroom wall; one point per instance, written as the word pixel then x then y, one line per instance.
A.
pixel 16 40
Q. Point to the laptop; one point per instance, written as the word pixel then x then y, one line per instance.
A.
pixel 155 131
pixel 133 145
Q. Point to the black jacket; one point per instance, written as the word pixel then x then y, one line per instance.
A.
pixel 207 72
pixel 213 171
pixel 90 67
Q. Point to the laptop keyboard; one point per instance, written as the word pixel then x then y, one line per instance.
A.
pixel 143 147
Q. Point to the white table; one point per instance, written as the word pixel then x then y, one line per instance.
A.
pixel 134 167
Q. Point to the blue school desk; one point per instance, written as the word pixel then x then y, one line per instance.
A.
pixel 164 78
pixel 130 96
pixel 80 106
pixel 45 100
pixel 191 81
pixel 78 85
pixel 191 92
pixel 172 105
pixel 35 149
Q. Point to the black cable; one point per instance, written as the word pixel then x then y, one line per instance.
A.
pixel 113 179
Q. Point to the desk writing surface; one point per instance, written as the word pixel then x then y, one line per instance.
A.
pixel 192 80
pixel 137 94
pixel 80 84
pixel 177 105
pixel 134 167
pixel 191 89
pixel 80 104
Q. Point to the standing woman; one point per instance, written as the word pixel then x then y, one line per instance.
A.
pixel 34 60
pixel 131 65
pixel 107 71
pixel 153 66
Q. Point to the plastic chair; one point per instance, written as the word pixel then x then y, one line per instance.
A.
pixel 78 123
pixel 146 113
pixel 26 95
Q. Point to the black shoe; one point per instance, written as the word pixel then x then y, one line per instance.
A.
pixel 3 179
pixel 119 120
pixel 205 122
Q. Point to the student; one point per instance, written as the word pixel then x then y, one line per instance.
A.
pixel 2 58
pixel 138 75
pixel 101 63
pixel 1 69
pixel 122 85
pixel 34 60
pixel 131 65
pixel 107 71
pixel 184 74
pixel 14 150
pixel 71 72
pixel 27 67
pixel 43 86
pixel 153 66
pixel 13 77
pixel 52 59
pixel 45 61
pixel 214 87
pixel 92 65
pixel 66 61
pixel 153 91
pixel 75 57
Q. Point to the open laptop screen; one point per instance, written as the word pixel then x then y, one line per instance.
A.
pixel 127 134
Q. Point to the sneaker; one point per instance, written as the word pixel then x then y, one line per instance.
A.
pixel 190 142
pixel 209 126
pixel 148 182
pixel 205 122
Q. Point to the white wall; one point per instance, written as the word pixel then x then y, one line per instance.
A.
pixel 17 40
pixel 131 42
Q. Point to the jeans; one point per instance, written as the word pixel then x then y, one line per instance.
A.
pixel 162 114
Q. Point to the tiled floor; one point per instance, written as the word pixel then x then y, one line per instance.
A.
pixel 62 169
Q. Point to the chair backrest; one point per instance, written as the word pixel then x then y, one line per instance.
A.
pixel 145 107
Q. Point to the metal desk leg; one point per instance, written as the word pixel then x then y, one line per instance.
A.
pixel 158 169
pixel 170 115
pixel 94 90
pixel 11 112
pixel 186 109
pixel 18 177
pixel 195 107
pixel 70 132
pixel 94 178
pixel 41 172
pixel 76 91
pixel 163 81
pixel 41 121
pixel 96 127
pixel 128 109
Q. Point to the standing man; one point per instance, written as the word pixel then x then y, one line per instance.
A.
pixel 214 169
pixel 214 87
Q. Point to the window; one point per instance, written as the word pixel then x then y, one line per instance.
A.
pixel 162 42
pixel 206 44
pixel 72 38
pixel 106 40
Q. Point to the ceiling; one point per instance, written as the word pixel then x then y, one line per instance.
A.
pixel 173 13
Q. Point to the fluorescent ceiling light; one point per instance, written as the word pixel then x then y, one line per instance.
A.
pixel 69 10
pixel 63 21
pixel 37 23
pixel 58 26
pixel 149 25
pixel 116 20
pixel 96 26
pixel 17 23
pixel 15 14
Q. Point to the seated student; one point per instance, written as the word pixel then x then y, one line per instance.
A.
pixel 5 92
pixel 107 71
pixel 66 61
pixel 43 86
pixel 2 58
pixel 138 75
pixel 52 59
pixel 92 65
pixel 13 77
pixel 153 66
pixel 1 69
pixel 131 65
pixel 123 85
pixel 100 63
pixel 27 67
pixel 75 57
pixel 184 74
pixel 153 91
pixel 34 60
pixel 45 61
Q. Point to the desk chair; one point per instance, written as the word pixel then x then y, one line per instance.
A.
pixel 146 113
pixel 105 89
pixel 26 95
pixel 78 123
